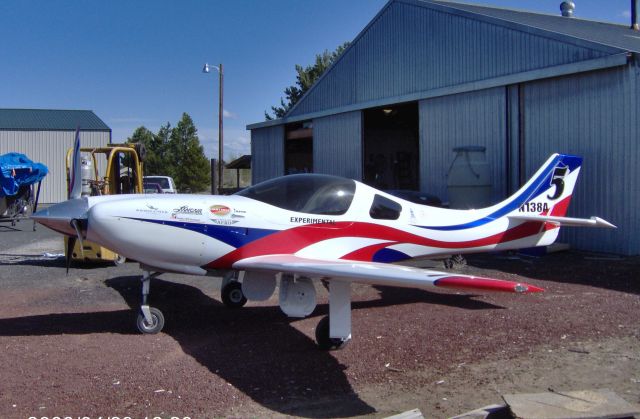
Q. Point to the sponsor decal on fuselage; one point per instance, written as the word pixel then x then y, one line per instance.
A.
pixel 185 209
pixel 304 220
pixel 221 214
pixel 186 213
pixel 150 209
pixel 223 221
pixel 220 210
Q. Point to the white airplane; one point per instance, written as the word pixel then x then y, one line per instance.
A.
pixel 296 229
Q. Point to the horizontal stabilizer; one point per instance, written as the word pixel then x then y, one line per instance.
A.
pixel 565 221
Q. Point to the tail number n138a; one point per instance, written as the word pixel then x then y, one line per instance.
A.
pixel 534 207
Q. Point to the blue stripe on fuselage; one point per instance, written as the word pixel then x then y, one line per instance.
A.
pixel 542 183
pixel 231 235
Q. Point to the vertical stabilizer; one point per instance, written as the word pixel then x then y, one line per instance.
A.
pixel 549 191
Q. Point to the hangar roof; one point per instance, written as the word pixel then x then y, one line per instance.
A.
pixel 419 49
pixel 610 34
pixel 50 120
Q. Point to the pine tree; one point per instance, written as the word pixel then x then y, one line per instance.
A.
pixel 155 162
pixel 304 80
pixel 190 167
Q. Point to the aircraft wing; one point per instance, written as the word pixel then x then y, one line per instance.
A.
pixel 378 273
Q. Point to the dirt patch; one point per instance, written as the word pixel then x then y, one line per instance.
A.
pixel 69 345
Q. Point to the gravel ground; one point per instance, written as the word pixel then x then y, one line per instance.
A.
pixel 69 346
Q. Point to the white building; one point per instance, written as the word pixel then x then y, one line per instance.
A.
pixel 45 135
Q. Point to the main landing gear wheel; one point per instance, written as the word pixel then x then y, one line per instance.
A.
pixel 232 295
pixel 153 327
pixel 325 342
pixel 455 261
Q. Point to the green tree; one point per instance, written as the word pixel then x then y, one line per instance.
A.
pixel 155 161
pixel 304 80
pixel 190 167
pixel 162 164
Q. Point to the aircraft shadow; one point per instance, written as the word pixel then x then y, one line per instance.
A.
pixel 395 296
pixel 254 348
pixel 569 268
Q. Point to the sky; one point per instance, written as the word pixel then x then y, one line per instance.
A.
pixel 139 63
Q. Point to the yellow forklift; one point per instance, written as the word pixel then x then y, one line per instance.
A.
pixel 122 174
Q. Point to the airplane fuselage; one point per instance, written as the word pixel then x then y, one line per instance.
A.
pixel 195 234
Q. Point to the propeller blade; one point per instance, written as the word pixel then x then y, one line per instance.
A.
pixel 76 226
pixel 70 245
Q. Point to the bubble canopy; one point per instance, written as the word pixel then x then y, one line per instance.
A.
pixel 307 193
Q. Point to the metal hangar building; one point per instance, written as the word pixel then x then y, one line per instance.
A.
pixel 426 76
pixel 45 135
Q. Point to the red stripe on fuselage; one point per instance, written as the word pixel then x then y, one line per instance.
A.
pixel 294 239
pixel 366 253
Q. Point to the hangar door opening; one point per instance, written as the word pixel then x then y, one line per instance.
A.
pixel 298 148
pixel 390 146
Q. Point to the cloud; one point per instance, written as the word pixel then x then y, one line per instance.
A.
pixel 626 14
pixel 237 142
pixel 228 114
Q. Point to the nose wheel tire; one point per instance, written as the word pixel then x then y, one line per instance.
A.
pixel 153 327
pixel 325 342
pixel 232 295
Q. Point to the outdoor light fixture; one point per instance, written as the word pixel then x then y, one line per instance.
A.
pixel 207 69
pixel 387 111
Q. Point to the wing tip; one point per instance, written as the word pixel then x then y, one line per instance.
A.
pixel 486 284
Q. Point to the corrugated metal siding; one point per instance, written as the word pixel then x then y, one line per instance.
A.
pixel 50 148
pixel 267 151
pixel 337 145
pixel 595 116
pixel 476 118
pixel 413 48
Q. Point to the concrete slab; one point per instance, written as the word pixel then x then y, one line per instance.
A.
pixel 494 411
pixel 409 414
pixel 582 404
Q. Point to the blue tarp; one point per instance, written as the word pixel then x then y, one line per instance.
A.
pixel 16 170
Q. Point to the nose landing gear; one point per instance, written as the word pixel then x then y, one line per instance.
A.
pixel 150 320
pixel 150 327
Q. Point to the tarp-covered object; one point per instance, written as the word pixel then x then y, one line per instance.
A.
pixel 17 170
